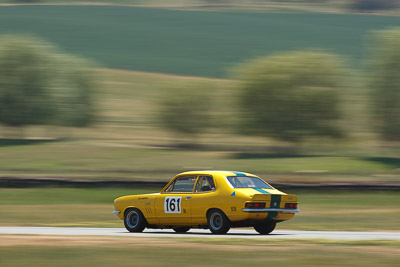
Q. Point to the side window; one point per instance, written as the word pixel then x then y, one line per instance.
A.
pixel 211 183
pixel 205 184
pixel 199 183
pixel 182 184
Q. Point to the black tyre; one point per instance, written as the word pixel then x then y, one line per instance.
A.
pixel 218 223
pixel 134 220
pixel 265 228
pixel 181 229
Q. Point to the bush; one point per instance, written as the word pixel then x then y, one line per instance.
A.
pixel 290 96
pixel 385 83
pixel 185 110
pixel 41 86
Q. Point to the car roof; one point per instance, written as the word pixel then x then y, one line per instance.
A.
pixel 214 172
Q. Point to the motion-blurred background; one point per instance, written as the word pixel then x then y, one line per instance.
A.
pixel 295 91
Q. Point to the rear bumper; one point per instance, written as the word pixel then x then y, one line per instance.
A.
pixel 271 209
pixel 116 212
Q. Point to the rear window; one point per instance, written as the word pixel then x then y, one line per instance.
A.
pixel 247 182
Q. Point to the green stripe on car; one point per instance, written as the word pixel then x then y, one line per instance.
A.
pixel 275 204
pixel 239 173
pixel 275 201
pixel 261 190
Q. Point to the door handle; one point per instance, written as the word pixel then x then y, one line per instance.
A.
pixel 187 197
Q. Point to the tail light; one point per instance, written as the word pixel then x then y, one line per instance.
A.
pixel 255 205
pixel 291 206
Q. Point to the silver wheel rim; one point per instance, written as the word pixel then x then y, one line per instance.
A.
pixel 216 221
pixel 132 219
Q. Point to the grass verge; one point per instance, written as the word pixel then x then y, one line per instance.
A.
pixel 373 211
pixel 105 251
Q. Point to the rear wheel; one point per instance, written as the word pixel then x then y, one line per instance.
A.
pixel 134 220
pixel 181 229
pixel 265 228
pixel 218 223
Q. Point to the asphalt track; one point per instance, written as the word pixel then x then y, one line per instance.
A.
pixel 197 233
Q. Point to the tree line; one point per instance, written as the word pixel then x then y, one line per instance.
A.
pixel 294 95
pixel 287 96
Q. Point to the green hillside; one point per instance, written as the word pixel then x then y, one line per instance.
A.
pixel 186 42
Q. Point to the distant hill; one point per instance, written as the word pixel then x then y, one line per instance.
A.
pixel 187 42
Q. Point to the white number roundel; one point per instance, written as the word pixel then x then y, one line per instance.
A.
pixel 172 204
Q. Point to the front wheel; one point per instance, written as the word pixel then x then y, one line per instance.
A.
pixel 218 223
pixel 265 228
pixel 134 220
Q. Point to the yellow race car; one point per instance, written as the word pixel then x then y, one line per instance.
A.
pixel 217 200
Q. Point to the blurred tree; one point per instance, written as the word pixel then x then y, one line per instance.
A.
pixel 385 84
pixel 27 1
pixel 73 93
pixel 291 96
pixel 185 110
pixel 372 5
pixel 41 86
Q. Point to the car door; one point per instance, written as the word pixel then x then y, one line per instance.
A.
pixel 173 206
pixel 203 197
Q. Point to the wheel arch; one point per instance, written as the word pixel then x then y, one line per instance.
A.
pixel 217 221
pixel 209 210
pixel 136 208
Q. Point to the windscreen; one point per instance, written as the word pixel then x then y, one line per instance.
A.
pixel 247 182
pixel 182 184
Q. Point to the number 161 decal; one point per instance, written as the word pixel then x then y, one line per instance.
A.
pixel 172 204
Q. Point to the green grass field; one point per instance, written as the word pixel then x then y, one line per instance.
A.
pixel 95 159
pixel 315 6
pixel 188 42
pixel 345 210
